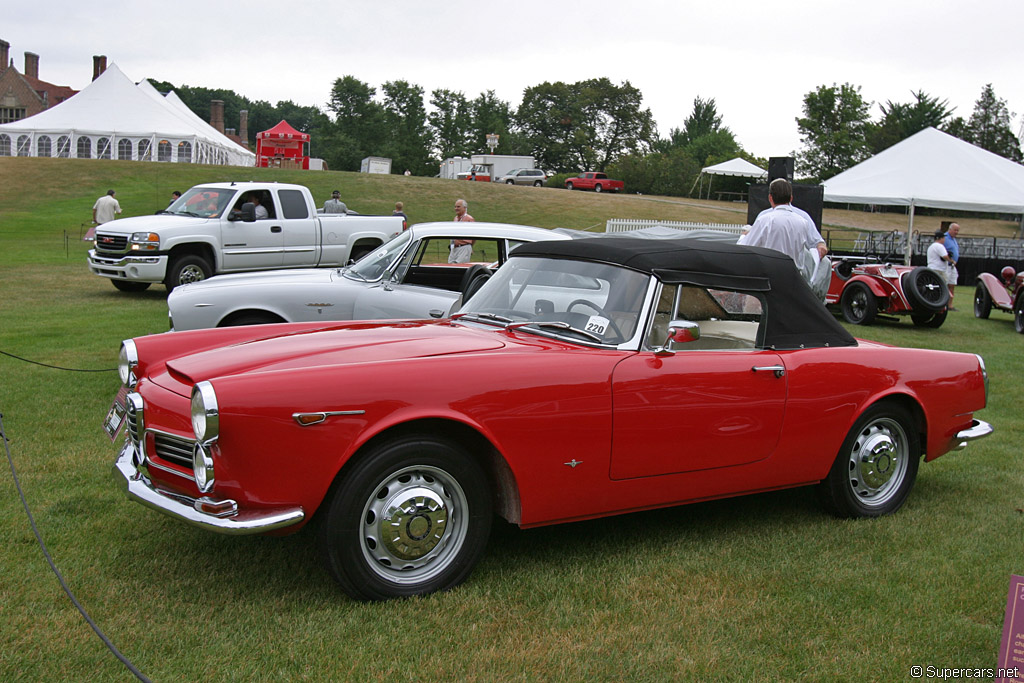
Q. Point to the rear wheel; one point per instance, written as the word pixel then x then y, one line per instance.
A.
pixel 130 285
pixel 537 183
pixel 876 466
pixel 982 301
pixel 412 517
pixel 929 319
pixel 598 188
pixel 186 269
pixel 858 304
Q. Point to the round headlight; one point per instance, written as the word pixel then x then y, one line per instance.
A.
pixel 205 416
pixel 202 467
pixel 127 359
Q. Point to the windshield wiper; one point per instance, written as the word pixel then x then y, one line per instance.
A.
pixel 558 325
pixel 485 316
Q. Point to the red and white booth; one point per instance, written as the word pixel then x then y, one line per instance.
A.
pixel 282 147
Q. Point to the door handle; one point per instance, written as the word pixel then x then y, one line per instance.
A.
pixel 275 228
pixel 779 370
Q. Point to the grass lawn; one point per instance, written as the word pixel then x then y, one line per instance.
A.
pixel 766 587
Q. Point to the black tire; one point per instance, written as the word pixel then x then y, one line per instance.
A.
pixel 186 269
pixel 1018 313
pixel 859 304
pixel 982 301
pixel 510 182
pixel 538 183
pixel 431 498
pixel 876 465
pixel 130 286
pixel 929 319
pixel 925 289
pixel 250 318
pixel 569 186
pixel 598 188
pixel 359 252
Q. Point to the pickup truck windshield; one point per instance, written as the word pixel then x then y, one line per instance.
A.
pixel 202 202
pixel 378 261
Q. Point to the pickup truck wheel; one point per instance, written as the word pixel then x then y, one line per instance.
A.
pixel 130 285
pixel 568 186
pixel 858 304
pixel 186 269
pixel 876 465
pixel 597 188
pixel 982 301
pixel 412 517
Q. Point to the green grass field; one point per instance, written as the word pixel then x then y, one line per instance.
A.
pixel 766 587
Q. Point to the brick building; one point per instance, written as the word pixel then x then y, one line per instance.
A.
pixel 23 94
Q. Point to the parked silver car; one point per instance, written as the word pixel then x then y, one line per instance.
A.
pixel 523 176
pixel 408 277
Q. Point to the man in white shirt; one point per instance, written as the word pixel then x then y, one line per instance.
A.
pixel 938 257
pixel 261 211
pixel 782 228
pixel 105 208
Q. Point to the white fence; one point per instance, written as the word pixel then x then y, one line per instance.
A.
pixel 627 224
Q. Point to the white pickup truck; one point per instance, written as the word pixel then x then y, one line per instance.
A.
pixel 222 228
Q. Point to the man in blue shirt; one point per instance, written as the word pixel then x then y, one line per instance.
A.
pixel 954 255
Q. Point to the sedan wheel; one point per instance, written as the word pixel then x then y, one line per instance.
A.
pixel 411 517
pixel 876 466
pixel 982 301
pixel 859 305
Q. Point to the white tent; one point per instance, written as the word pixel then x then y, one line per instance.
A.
pixel 933 169
pixel 114 118
pixel 733 167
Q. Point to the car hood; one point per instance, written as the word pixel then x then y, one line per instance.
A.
pixel 266 278
pixel 154 223
pixel 342 345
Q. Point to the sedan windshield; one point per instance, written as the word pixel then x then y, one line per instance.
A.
pixel 583 300
pixel 372 266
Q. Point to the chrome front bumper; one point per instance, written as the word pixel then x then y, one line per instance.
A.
pixel 136 267
pixel 140 489
pixel 977 430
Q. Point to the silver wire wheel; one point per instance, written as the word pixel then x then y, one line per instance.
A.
pixel 414 524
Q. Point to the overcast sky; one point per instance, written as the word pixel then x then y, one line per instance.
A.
pixel 755 61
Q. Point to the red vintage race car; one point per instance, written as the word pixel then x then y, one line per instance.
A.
pixel 864 291
pixel 586 378
pixel 1005 293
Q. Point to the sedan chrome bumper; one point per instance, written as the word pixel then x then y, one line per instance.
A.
pixel 227 520
pixel 977 430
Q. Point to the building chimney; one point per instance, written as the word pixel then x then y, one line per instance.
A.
pixel 217 115
pixel 32 65
pixel 99 65
pixel 243 127
pixel 5 53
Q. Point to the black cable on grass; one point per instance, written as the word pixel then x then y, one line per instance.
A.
pixel 55 367
pixel 46 553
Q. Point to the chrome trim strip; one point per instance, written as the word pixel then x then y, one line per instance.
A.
pixel 323 415
pixel 977 430
pixel 142 490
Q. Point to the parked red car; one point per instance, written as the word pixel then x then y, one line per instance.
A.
pixel 586 378
pixel 598 182
pixel 864 292
pixel 1005 294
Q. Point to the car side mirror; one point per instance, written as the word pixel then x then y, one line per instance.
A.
pixel 247 213
pixel 679 332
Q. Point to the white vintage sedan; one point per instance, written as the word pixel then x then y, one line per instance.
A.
pixel 408 277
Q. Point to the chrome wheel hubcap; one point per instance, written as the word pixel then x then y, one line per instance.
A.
pixel 878 462
pixel 191 274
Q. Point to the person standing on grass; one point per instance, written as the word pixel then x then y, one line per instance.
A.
pixel 938 257
pixel 105 209
pixel 953 249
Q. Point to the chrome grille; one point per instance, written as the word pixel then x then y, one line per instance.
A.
pixel 107 242
pixel 175 449
pixel 133 417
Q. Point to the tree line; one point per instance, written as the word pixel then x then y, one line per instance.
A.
pixel 598 125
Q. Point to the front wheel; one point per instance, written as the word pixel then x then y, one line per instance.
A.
pixel 569 186
pixel 982 301
pixel 858 304
pixel 412 517
pixel 186 269
pixel 929 319
pixel 876 466
pixel 510 182
pixel 1018 313
pixel 130 286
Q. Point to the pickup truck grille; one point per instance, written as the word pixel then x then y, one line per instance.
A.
pixel 113 243
pixel 174 449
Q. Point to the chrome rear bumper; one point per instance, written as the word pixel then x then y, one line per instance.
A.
pixel 977 430
pixel 140 489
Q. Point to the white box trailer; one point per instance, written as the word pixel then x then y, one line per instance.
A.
pixel 497 165
pixel 375 165
pixel 453 166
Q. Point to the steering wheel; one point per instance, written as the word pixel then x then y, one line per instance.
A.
pixel 611 323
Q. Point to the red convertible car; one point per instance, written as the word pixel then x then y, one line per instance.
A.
pixel 1005 295
pixel 586 378
pixel 865 291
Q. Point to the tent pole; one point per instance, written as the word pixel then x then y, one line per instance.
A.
pixel 910 231
pixel 700 177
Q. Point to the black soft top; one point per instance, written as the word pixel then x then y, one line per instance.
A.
pixel 794 317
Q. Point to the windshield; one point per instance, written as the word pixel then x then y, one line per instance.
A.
pixel 377 262
pixel 202 202
pixel 583 300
